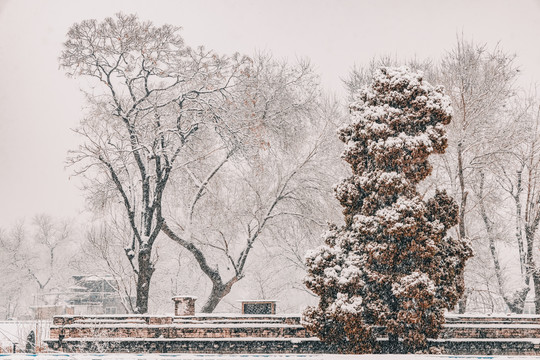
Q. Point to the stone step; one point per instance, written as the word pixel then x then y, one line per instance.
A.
pixel 91 321
pixel 124 318
pixel 228 321
pixel 251 345
pixel 510 319
pixel 262 330
pixel 493 331
pixel 503 347
pixel 240 330
pixel 269 330
pixel 236 318
pixel 471 347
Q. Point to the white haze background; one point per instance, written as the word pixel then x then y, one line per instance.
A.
pixel 39 105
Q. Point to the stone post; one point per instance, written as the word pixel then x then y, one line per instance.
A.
pixel 184 305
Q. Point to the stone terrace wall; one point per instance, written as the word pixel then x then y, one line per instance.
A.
pixel 221 346
pixel 172 331
pixel 232 333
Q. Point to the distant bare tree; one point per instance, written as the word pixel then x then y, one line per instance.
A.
pixel 516 171
pixel 100 257
pixel 14 275
pixel 527 224
pixel 34 257
pixel 48 237
pixel 362 76
pixel 479 82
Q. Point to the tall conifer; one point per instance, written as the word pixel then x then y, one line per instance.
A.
pixel 392 264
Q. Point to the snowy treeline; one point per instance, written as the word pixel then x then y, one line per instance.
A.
pixel 212 174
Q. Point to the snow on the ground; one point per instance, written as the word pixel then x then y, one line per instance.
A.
pixel 60 356
pixel 17 332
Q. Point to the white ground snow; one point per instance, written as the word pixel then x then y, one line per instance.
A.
pixel 17 331
pixel 61 356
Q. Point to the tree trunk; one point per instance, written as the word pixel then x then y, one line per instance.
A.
pixel 145 273
pixel 536 281
pixel 517 302
pixel 462 303
pixel 530 232
pixel 219 291
pixel 519 237
pixel 463 193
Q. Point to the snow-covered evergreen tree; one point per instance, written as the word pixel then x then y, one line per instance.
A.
pixel 392 264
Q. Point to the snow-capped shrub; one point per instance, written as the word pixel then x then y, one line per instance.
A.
pixel 392 264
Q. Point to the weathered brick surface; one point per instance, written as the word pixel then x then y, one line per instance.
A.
pixel 514 347
pixel 510 319
pixel 227 346
pixel 271 334
pixel 222 346
pixel 128 318
pixel 283 319
pixel 488 332
pixel 167 331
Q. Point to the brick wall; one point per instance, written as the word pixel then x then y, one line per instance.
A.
pixel 270 334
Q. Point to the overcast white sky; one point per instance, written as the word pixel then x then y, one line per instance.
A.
pixel 39 105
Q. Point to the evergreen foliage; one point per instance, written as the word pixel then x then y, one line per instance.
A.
pixel 393 264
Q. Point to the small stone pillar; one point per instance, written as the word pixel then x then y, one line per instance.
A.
pixel 184 305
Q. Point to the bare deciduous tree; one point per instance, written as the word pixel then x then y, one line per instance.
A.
pixel 150 94
pixel 35 259
pixel 516 170
pixel 479 82
pixel 272 172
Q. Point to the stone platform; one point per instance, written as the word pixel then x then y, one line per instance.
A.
pixel 235 333
pixel 221 333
